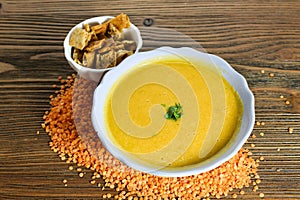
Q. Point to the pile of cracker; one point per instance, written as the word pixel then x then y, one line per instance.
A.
pixel 101 46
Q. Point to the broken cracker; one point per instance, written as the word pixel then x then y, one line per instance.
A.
pixel 106 60
pixel 100 28
pixel 88 59
pixel 120 22
pixel 79 38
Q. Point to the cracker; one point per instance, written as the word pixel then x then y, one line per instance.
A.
pixel 88 59
pixel 80 38
pixel 121 21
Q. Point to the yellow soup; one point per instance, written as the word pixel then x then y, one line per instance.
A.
pixel 135 115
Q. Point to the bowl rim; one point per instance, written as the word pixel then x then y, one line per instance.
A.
pixel 100 19
pixel 245 94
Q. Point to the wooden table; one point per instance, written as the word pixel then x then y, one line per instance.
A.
pixel 261 40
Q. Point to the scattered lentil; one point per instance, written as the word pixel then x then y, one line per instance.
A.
pixel 81 174
pixel 87 151
pixel 252 145
pixel 258 181
pixel 38 132
pixel 65 181
pixel 290 130
pixel 261 158
pixel 71 168
pixel 262 71
pixel 281 96
pixel 262 134
pixel 92 182
pixel 271 74
pixel 287 102
pixel 262 123
pixel 255 188
pixel 261 195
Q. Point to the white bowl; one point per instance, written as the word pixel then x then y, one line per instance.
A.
pixel 95 74
pixel 234 78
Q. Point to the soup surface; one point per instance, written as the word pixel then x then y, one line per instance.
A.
pixel 137 104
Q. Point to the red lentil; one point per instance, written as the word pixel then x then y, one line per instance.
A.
pixel 261 195
pixel 81 174
pixel 262 134
pixel 75 99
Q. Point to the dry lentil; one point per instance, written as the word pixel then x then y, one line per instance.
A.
pixel 255 188
pixel 81 174
pixel 271 74
pixel 261 195
pixel 71 168
pixel 262 134
pixel 287 102
pixel 262 71
pixel 281 97
pixel 258 181
pixel 261 158
pixel 290 130
pixel 86 150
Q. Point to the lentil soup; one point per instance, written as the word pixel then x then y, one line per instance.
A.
pixel 134 113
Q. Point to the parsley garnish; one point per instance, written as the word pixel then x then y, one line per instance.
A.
pixel 173 112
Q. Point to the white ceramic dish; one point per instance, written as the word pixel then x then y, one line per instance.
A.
pixel 95 74
pixel 234 78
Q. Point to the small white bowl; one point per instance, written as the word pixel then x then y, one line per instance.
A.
pixel 234 78
pixel 95 74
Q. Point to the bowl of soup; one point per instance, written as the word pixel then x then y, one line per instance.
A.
pixel 173 111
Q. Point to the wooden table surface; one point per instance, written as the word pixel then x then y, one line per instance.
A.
pixel 252 36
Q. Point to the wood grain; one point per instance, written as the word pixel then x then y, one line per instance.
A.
pixel 252 36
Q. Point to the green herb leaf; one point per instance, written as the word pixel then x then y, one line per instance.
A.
pixel 173 112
